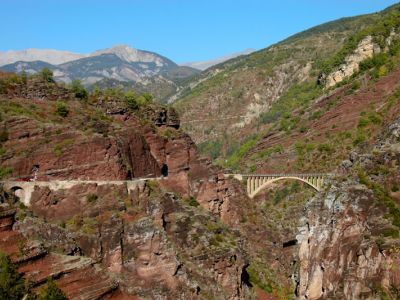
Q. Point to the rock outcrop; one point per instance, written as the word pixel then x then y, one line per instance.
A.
pixel 349 243
pixel 365 49
pixel 153 243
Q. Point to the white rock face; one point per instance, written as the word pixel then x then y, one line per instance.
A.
pixel 131 55
pixel 57 57
pixel 51 56
pixel 365 49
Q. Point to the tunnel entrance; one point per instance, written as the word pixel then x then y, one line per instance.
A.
pixel 18 193
pixel 164 170
pixel 289 243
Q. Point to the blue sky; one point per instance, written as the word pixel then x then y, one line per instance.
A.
pixel 182 30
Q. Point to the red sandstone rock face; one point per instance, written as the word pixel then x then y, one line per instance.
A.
pixel 146 239
pixel 77 276
pixel 223 197
pixel 37 88
pixel 74 155
pixel 349 245
pixel 150 243
pixel 62 205
pixel 336 260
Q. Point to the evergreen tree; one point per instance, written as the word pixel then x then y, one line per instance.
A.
pixel 12 285
pixel 51 291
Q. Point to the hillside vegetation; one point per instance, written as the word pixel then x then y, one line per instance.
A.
pixel 274 102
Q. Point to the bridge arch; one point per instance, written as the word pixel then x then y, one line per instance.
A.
pixel 18 192
pixel 270 181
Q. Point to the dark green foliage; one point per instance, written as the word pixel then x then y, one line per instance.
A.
pixel 135 102
pixel 296 97
pixel 211 148
pixel 369 118
pixel 62 109
pixel 12 285
pixel 282 194
pixel 376 61
pixel 78 89
pixel 379 31
pixel 24 77
pixel 192 201
pixel 46 74
pixel 131 101
pixel 325 148
pixel 3 134
pixel 234 159
pixel 383 196
pixel 91 198
pixel 5 171
pixel 51 292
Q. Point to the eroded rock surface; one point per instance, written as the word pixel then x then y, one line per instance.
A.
pixel 349 242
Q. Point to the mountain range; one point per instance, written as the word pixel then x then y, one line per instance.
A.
pixel 299 198
pixel 120 65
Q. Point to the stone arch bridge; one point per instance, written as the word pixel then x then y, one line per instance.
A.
pixel 258 182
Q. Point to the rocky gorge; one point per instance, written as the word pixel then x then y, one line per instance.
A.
pixel 135 211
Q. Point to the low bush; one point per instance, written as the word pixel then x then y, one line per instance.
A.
pixel 50 291
pixel 61 109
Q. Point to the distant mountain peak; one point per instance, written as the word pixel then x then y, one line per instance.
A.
pixel 51 56
pixel 202 65
pixel 129 54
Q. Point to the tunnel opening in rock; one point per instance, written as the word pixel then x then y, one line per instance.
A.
pixel 245 276
pixel 164 170
pixel 289 243
pixel 18 193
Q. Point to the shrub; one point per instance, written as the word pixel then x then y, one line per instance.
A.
pixel 91 198
pixel 51 291
pixel 62 109
pixel 5 171
pixel 234 159
pixel 134 102
pixel 57 150
pixel 362 122
pixel 211 148
pixel 46 74
pixel 78 89
pixel 144 99
pixel 12 285
pixel 192 201
pixel 130 99
pixel 360 138
pixel 3 135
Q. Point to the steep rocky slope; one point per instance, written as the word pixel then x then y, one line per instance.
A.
pixel 233 104
pixel 349 242
pixel 150 240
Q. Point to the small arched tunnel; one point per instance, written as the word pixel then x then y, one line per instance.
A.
pixel 164 170
pixel 19 193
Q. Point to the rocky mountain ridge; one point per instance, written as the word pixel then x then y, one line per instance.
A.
pixel 120 65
